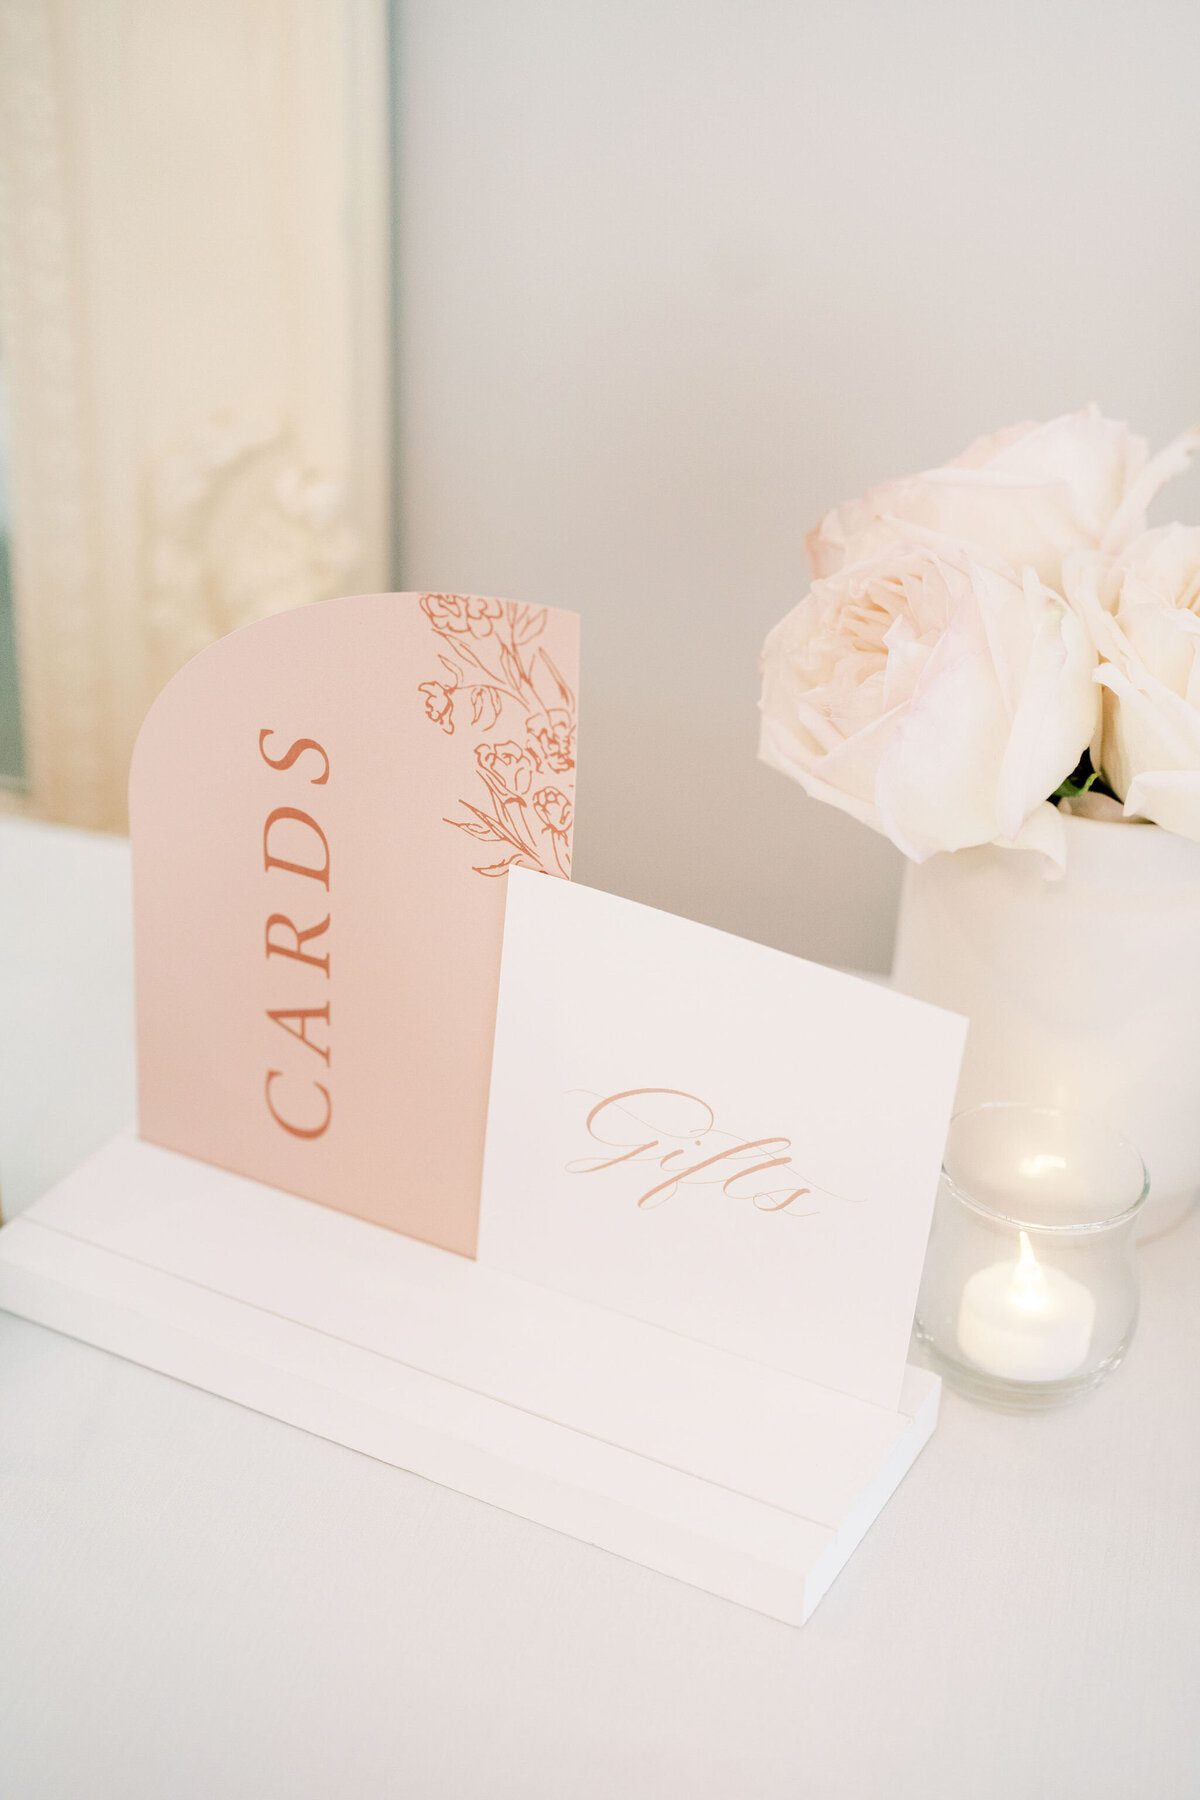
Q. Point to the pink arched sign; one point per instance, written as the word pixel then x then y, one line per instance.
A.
pixel 321 807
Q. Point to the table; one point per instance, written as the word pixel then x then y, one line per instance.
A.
pixel 197 1603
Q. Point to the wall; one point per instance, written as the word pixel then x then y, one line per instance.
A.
pixel 675 278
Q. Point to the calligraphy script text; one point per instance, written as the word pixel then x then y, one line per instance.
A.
pixel 676 1134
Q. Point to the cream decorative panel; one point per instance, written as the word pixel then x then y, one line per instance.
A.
pixel 239 527
pixel 195 263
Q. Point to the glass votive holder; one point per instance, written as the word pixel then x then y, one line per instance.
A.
pixel 1030 1291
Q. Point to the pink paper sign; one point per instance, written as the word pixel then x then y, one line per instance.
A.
pixel 321 808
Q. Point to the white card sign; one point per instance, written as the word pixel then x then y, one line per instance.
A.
pixel 713 1136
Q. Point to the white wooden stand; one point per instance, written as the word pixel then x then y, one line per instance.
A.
pixel 735 1477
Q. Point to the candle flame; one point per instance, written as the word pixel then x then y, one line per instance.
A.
pixel 1029 1279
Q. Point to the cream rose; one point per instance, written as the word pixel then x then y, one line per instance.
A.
pixel 1030 494
pixel 1143 613
pixel 933 694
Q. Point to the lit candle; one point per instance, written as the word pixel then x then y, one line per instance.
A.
pixel 1023 1322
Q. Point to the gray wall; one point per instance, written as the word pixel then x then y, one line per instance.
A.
pixel 675 278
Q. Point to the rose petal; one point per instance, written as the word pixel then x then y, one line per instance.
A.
pixel 1031 495
pixel 776 749
pixel 1130 517
pixel 1171 797
pixel 1058 705
pixel 1151 727
pixel 1045 832
pixel 937 778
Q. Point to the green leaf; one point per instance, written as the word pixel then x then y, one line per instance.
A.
pixel 1082 780
pixel 1070 790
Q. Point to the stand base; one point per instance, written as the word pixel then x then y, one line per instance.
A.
pixel 734 1477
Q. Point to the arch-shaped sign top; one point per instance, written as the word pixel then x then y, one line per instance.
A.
pixel 321 808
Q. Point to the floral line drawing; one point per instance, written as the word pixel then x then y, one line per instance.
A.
pixel 492 663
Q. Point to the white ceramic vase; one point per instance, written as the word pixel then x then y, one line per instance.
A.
pixel 1081 992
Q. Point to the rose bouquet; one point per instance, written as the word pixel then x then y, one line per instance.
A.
pixel 992 638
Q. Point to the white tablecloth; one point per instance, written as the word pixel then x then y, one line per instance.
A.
pixel 197 1603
